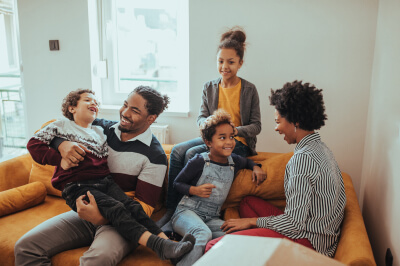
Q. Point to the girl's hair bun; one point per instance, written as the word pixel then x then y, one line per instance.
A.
pixel 236 33
pixel 234 39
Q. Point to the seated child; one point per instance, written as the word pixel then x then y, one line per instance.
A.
pixel 93 175
pixel 205 181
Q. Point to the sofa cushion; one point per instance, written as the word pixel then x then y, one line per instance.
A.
pixel 43 173
pixel 15 225
pixel 262 156
pixel 270 189
pixel 20 198
pixel 141 256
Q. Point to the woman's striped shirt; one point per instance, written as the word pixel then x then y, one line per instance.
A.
pixel 315 197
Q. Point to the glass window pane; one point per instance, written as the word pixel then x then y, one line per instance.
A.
pixel 147 45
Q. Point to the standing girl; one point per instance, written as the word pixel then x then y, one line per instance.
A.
pixel 231 93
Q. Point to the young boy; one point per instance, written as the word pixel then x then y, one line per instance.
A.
pixel 205 182
pixel 93 176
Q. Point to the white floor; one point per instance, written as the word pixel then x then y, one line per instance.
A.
pixel 9 153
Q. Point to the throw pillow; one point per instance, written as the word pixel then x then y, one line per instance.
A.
pixel 44 173
pixel 270 189
pixel 21 198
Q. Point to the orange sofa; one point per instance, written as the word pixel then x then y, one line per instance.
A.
pixel 27 199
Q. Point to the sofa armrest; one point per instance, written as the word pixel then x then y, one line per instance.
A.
pixel 354 247
pixel 15 172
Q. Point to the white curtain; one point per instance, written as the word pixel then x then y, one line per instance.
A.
pixel 6 7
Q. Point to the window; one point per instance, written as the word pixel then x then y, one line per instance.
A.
pixel 8 41
pixel 12 122
pixel 145 43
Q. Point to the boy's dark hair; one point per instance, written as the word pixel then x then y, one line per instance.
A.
pixel 72 100
pixel 234 39
pixel 300 103
pixel 155 102
pixel 208 127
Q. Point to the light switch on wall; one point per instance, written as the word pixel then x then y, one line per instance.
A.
pixel 54 45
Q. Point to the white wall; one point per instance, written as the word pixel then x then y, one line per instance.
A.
pixel 381 169
pixel 49 75
pixel 328 43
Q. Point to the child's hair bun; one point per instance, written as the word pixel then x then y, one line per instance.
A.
pixel 236 33
pixel 234 39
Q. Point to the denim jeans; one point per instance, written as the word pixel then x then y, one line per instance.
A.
pixel 241 149
pixel 202 227
pixel 199 216
pixel 180 155
pixel 124 213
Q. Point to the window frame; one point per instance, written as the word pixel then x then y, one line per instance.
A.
pixel 106 67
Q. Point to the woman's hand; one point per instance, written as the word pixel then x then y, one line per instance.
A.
pixel 72 153
pixel 258 175
pixel 235 131
pixel 203 191
pixel 233 225
pixel 89 211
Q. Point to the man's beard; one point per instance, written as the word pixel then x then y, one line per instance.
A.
pixel 124 130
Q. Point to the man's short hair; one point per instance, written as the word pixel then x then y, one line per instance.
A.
pixel 155 102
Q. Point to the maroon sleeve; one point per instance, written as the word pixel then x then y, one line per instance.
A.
pixel 42 153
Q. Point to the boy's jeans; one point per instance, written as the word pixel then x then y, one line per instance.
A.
pixel 124 213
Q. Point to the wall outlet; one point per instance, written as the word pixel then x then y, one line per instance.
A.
pixel 54 45
pixel 388 258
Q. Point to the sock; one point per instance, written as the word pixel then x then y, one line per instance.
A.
pixel 167 249
pixel 187 237
pixel 165 219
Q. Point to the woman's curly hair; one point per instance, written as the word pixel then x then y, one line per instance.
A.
pixel 72 100
pixel 300 103
pixel 208 127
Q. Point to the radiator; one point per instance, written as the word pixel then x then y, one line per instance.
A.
pixel 161 132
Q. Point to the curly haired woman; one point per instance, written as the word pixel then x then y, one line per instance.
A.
pixel 314 189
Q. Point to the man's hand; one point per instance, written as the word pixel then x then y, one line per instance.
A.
pixel 233 225
pixel 89 211
pixel 72 153
pixel 258 175
pixel 203 191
